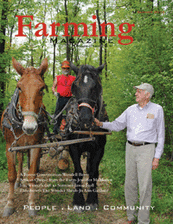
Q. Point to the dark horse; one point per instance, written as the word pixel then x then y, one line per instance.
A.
pixel 87 90
pixel 22 125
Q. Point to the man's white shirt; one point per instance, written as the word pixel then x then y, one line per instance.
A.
pixel 143 125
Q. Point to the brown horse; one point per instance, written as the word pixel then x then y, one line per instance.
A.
pixel 30 88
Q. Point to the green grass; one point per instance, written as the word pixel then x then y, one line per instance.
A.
pixel 72 218
pixel 63 200
pixel 113 166
pixel 3 160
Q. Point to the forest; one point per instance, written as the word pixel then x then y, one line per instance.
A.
pixel 136 47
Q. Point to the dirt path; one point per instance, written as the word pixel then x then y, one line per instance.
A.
pixel 58 206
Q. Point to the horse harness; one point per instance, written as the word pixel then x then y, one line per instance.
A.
pixel 13 115
pixel 72 112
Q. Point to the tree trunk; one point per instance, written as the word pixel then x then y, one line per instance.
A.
pixel 31 62
pixel 54 54
pixel 67 39
pixel 73 45
pixel 43 37
pixel 101 46
pixel 3 25
pixel 105 59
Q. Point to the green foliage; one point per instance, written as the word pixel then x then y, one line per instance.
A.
pixel 3 159
pixel 147 59
pixel 113 166
pixel 49 99
pixel 163 187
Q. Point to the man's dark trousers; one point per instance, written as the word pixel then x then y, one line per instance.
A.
pixel 61 102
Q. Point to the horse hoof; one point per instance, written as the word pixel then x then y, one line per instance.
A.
pixel 78 208
pixel 8 212
pixel 32 213
pixel 17 185
pixel 93 207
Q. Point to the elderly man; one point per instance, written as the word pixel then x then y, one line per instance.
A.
pixel 62 90
pixel 145 128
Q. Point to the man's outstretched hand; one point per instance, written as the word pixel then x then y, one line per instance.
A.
pixel 97 122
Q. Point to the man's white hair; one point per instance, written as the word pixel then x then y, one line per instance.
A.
pixel 149 93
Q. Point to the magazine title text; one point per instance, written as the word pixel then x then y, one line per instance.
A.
pixel 43 30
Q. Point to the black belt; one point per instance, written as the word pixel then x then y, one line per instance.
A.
pixel 139 144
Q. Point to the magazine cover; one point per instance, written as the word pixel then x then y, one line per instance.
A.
pixel 86 111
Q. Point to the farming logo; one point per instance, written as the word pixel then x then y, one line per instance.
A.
pixel 124 28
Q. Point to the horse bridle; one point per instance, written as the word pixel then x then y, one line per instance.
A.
pixel 83 104
pixel 30 113
pixel 19 121
pixel 13 121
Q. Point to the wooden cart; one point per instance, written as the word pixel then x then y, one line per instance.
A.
pixel 59 147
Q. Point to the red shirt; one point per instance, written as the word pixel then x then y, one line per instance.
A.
pixel 64 85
